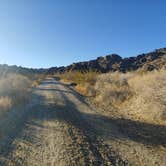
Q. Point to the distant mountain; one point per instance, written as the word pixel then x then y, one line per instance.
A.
pixel 114 62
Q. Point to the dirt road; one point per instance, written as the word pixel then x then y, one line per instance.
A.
pixel 58 129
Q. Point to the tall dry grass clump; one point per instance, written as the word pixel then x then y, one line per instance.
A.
pixel 84 81
pixel 135 95
pixel 141 96
pixel 15 93
pixel 149 100
pixel 112 89
pixel 79 77
pixel 5 103
pixel 14 90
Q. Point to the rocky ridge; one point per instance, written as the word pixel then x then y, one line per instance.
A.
pixel 114 62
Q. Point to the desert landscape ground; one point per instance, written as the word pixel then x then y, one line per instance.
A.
pixel 82 83
pixel 83 117
pixel 56 129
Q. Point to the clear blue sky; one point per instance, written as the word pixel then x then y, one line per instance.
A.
pixel 44 33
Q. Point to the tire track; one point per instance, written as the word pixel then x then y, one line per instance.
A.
pixel 58 132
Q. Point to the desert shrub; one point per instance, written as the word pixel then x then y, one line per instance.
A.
pixel 14 94
pixel 112 89
pixel 14 89
pixel 149 101
pixel 5 103
pixel 138 95
pixel 80 77
pixel 84 81
pixel 86 89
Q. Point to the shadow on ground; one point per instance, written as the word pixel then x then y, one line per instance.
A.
pixel 69 113
pixel 137 131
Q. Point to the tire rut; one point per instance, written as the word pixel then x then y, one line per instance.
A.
pixel 58 133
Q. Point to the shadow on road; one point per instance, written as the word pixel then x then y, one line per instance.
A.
pixel 92 125
pixel 69 113
pixel 145 133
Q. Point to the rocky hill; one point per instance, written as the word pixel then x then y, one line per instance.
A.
pixel 114 62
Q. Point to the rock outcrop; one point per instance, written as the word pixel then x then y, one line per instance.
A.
pixel 113 62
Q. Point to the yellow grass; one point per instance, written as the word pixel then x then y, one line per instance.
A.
pixel 149 101
pixel 84 81
pixel 136 95
pixel 14 90
pixel 80 77
pixel 141 96
pixel 37 79
pixel 5 103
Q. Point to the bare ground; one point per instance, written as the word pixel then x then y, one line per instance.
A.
pixel 59 127
pixel 56 131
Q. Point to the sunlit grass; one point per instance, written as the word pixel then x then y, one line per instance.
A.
pixel 15 89
pixel 138 95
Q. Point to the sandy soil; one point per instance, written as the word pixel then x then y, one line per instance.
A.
pixel 61 128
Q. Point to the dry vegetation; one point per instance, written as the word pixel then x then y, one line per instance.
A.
pixel 84 81
pixel 149 101
pixel 131 121
pixel 80 77
pixel 5 103
pixel 15 89
pixel 15 93
pixel 134 102
pixel 36 79
pixel 136 95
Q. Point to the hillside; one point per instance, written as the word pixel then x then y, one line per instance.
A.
pixel 114 62
pixel 85 118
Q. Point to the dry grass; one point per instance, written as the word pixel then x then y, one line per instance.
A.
pixel 140 96
pixel 138 100
pixel 80 77
pixel 37 79
pixel 5 103
pixel 14 90
pixel 84 81
pixel 136 95
pixel 86 89
pixel 112 89
pixel 149 101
